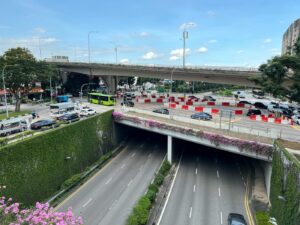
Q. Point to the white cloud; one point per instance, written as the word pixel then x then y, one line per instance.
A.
pixel 189 25
pixel 202 50
pixel 210 13
pixel 212 41
pixel 144 34
pixel 39 30
pixel 124 61
pixel 149 56
pixel 267 40
pixel 178 53
pixel 239 51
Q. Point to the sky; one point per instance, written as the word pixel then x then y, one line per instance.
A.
pixel 233 33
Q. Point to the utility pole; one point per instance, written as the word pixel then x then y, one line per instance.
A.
pixel 184 37
pixel 116 51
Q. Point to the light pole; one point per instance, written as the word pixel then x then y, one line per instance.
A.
pixel 82 88
pixel 89 48
pixel 116 51
pixel 4 88
pixel 184 37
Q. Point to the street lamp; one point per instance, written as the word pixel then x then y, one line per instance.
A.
pixel 4 88
pixel 82 88
pixel 89 49
pixel 184 37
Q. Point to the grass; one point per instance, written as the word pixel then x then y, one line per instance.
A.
pixel 13 114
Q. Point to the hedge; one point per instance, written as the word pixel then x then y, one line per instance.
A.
pixel 262 218
pixel 141 211
pixel 35 168
pixel 285 182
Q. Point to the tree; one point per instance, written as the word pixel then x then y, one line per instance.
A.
pixel 281 75
pixel 22 71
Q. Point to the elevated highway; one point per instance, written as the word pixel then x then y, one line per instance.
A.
pixel 109 72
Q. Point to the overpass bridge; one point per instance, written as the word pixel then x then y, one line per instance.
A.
pixel 110 73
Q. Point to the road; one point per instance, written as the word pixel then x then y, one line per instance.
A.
pixel 109 197
pixel 208 186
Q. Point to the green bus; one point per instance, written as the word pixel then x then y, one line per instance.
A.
pixel 102 99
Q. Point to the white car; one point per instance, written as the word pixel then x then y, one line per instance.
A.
pixel 296 119
pixel 87 112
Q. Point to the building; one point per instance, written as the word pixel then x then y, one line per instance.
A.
pixel 290 37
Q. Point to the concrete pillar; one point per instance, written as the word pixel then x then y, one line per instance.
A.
pixel 111 83
pixel 267 166
pixel 170 149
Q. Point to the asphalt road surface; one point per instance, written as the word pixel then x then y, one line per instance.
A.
pixel 109 197
pixel 209 185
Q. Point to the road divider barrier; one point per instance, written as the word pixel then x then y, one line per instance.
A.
pixel 200 109
pixel 271 119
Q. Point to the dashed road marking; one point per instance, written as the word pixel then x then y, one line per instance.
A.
pixel 191 211
pixel 221 217
pixel 109 180
pixel 196 171
pixel 123 165
pixel 133 154
pixel 85 204
pixel 129 183
pixel 218 175
pixel 219 192
pixel 194 188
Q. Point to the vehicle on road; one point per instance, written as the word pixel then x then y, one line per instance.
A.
pixel 192 97
pixel 201 116
pixel 245 102
pixel 236 219
pixel 102 99
pixel 127 103
pixel 69 117
pixel 129 95
pixel 209 98
pixel 59 109
pixel 87 112
pixel 162 111
pixel 260 105
pixel 13 125
pixel 253 112
pixel 296 119
pixel 42 123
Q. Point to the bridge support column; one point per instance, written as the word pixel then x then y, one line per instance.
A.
pixel 268 173
pixel 170 148
pixel 111 83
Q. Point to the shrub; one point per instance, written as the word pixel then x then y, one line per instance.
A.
pixel 153 187
pixel 151 195
pixel 165 168
pixel 159 178
pixel 262 218
pixel 71 181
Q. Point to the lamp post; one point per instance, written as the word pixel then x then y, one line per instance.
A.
pixel 116 51
pixel 184 37
pixel 4 88
pixel 82 88
pixel 89 48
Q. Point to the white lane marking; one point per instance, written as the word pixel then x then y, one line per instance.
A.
pixel 221 214
pixel 108 180
pixel 129 183
pixel 85 204
pixel 194 187
pixel 133 154
pixel 166 202
pixel 219 192
pixel 123 165
pixel 218 175
pixel 196 170
pixel 191 211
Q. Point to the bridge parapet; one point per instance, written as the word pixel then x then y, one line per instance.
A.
pixel 235 145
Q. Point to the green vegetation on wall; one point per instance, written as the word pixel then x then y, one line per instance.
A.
pixel 33 169
pixel 285 181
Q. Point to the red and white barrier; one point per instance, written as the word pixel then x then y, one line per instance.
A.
pixel 269 119
pixel 151 100
pixel 199 108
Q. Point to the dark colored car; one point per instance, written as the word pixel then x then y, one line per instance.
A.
pixel 69 117
pixel 244 102
pixel 41 123
pixel 161 111
pixel 236 219
pixel 192 97
pixel 253 112
pixel 201 116
pixel 287 113
pixel 128 103
pixel 260 105
pixel 209 98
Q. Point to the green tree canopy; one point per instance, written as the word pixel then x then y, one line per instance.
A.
pixel 21 71
pixel 281 75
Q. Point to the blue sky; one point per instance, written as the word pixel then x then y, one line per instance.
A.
pixel 225 32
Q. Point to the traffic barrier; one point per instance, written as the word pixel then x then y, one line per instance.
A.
pixel 151 100
pixel 238 112
pixel 270 119
pixel 211 103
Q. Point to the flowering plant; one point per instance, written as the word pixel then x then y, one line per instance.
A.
pixel 41 214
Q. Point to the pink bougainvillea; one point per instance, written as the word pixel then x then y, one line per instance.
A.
pixel 41 214
pixel 216 139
